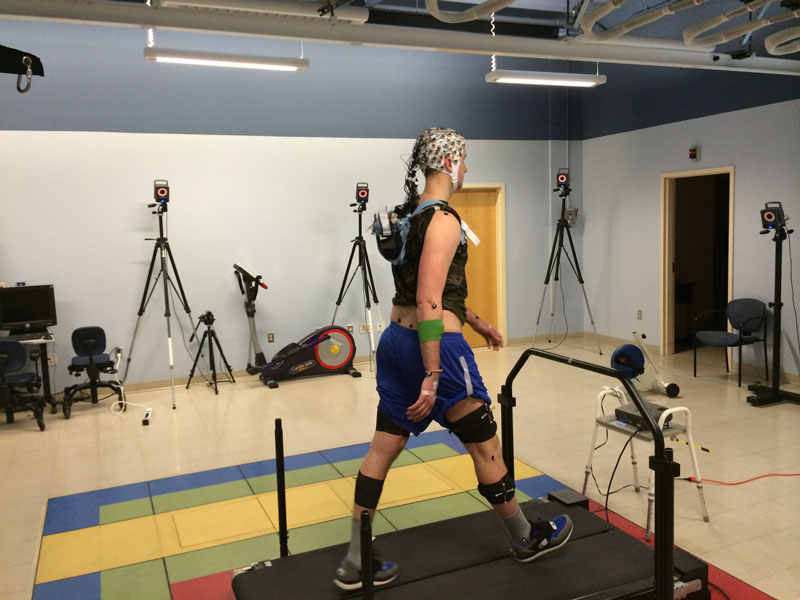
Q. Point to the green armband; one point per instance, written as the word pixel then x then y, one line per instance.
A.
pixel 431 330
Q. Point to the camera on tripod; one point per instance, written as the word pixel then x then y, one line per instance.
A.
pixel 362 197
pixel 562 182
pixel 207 318
pixel 772 216
pixel 161 191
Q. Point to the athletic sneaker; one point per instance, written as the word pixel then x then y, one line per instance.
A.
pixel 546 536
pixel 348 575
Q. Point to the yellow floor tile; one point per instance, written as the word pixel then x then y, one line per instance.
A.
pixel 413 483
pixel 307 504
pixel 129 542
pixel 69 554
pixel 220 521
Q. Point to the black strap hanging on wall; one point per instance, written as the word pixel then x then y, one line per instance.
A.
pixel 22 64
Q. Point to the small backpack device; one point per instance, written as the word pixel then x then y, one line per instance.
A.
pixel 391 229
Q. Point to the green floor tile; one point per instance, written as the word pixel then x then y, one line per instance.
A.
pixel 349 468
pixel 268 483
pixel 200 563
pixel 201 495
pixel 122 511
pixel 331 533
pixel 434 452
pixel 431 511
pixel 145 580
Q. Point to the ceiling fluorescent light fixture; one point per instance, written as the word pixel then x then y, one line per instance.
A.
pixel 545 78
pixel 214 59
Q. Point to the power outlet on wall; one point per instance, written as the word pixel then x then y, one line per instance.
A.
pixel 51 360
pixel 639 315
pixel 270 337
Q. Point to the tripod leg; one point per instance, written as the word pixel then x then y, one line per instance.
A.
pixel 577 267
pixel 362 252
pixel 182 294
pixel 345 285
pixel 553 309
pixel 538 316
pixel 142 306
pixel 194 364
pixel 211 360
pixel 224 360
pixel 167 316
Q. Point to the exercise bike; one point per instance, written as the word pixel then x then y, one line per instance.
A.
pixel 325 351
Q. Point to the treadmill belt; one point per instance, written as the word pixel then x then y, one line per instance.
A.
pixel 466 557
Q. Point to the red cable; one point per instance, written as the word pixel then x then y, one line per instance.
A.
pixel 747 480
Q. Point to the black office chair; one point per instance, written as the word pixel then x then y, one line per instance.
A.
pixel 89 344
pixel 18 389
pixel 747 316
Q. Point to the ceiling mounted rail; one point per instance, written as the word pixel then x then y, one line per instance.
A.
pixel 139 16
pixel 287 9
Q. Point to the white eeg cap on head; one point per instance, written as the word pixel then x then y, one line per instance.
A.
pixel 436 144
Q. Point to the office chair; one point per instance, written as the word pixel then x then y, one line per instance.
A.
pixel 17 390
pixel 89 345
pixel 746 316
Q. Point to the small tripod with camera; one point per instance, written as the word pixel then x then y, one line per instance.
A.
pixel 210 334
pixel 360 246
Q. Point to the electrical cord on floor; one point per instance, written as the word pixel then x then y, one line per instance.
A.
pixel 719 589
pixel 608 491
pixel 692 479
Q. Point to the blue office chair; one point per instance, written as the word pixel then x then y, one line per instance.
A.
pixel 89 345
pixel 18 389
pixel 747 316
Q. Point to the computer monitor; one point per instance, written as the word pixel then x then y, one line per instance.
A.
pixel 27 308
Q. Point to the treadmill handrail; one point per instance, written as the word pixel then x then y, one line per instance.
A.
pixel 652 426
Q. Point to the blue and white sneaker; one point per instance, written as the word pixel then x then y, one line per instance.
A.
pixel 546 536
pixel 348 574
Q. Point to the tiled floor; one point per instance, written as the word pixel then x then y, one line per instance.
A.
pixel 754 531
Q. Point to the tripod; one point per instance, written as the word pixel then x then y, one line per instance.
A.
pixel 163 251
pixel 210 334
pixel 360 246
pixel 762 394
pixel 554 267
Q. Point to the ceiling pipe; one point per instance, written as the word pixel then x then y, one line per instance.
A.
pixel 780 43
pixel 474 13
pixel 140 16
pixel 634 22
pixel 290 9
pixel 690 36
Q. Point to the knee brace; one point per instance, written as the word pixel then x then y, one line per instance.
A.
pixel 478 426
pixel 368 491
pixel 499 492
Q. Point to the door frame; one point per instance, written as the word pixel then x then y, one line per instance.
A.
pixel 499 190
pixel 667 345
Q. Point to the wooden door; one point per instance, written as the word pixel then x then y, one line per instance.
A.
pixel 478 208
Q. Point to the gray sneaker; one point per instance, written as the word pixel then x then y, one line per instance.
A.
pixel 546 536
pixel 348 575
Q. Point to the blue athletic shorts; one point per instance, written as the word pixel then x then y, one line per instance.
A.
pixel 400 372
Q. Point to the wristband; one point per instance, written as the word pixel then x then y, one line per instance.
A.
pixel 429 372
pixel 431 330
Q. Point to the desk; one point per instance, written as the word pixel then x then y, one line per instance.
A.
pixel 40 338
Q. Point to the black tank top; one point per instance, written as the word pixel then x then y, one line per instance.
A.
pixel 405 275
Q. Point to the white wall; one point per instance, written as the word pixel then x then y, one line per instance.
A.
pixel 75 214
pixel 621 199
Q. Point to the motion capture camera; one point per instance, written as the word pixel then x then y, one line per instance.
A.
pixel 772 216
pixel 362 193
pixel 161 191
pixel 362 197
pixel 562 178
pixel 207 318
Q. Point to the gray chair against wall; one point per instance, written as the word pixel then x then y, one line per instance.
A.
pixel 18 387
pixel 747 316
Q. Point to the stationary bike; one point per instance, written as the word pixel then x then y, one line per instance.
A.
pixel 325 351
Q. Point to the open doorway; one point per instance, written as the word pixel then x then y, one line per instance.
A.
pixel 697 209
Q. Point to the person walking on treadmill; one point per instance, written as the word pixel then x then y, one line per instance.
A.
pixel 426 371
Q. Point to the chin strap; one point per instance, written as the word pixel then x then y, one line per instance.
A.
pixel 454 173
